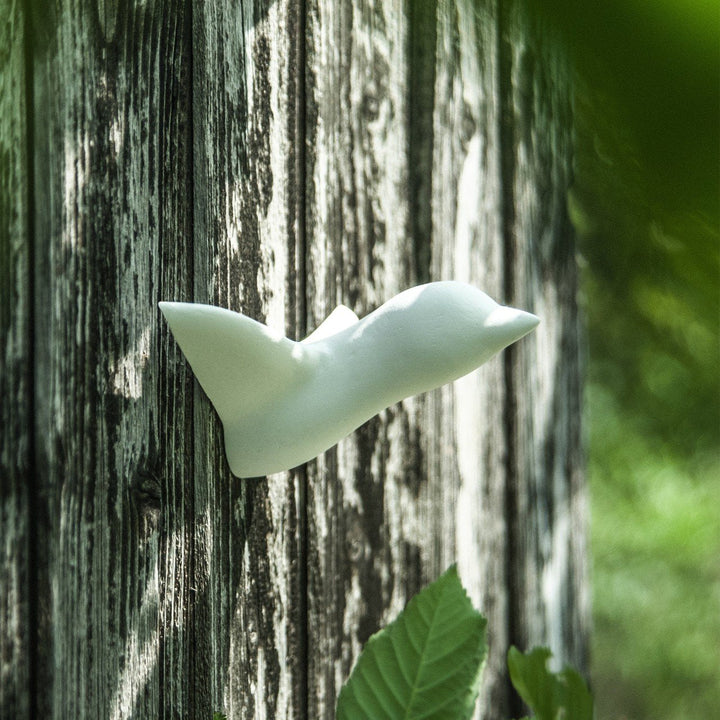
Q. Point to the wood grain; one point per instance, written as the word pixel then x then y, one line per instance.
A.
pixel 364 543
pixel 405 185
pixel 245 204
pixel 113 432
pixel 466 433
pixel 547 503
pixel 277 158
pixel 15 372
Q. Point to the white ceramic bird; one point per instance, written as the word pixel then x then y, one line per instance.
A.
pixel 283 402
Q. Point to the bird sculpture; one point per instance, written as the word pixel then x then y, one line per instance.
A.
pixel 283 402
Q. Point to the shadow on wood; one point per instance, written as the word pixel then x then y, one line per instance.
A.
pixel 277 159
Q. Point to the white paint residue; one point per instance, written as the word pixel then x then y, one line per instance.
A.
pixel 75 158
pixel 472 80
pixel 348 457
pixel 273 225
pixel 142 658
pixel 399 496
pixel 281 572
pixel 260 705
pixel 354 607
pixel 232 211
pixel 127 374
pixel 116 135
pixel 553 582
pixel 467 400
pixel 250 63
pixel 468 205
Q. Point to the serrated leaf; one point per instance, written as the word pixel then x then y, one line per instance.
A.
pixel 551 696
pixel 425 665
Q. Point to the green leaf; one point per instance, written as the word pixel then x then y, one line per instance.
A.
pixel 219 716
pixel 426 664
pixel 551 696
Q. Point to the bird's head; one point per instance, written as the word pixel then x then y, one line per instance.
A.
pixel 449 328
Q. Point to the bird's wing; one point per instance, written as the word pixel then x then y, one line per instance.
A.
pixel 340 318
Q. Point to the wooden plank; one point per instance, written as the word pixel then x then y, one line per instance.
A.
pixel 547 503
pixel 503 152
pixel 406 496
pixel 15 371
pixel 114 407
pixel 467 442
pixel 245 247
pixel 364 539
pixel 433 480
pixel 191 573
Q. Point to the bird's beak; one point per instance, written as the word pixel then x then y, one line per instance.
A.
pixel 511 324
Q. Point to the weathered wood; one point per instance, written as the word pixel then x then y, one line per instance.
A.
pixel 276 158
pixel 364 540
pixel 15 372
pixel 183 593
pixel 503 144
pixel 113 226
pixel 245 247
pixel 431 481
pixel 467 440
pixel 547 499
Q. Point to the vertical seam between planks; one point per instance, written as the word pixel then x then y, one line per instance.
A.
pixel 507 221
pixel 300 166
pixel 189 34
pixel 33 481
pixel 420 136
pixel 301 330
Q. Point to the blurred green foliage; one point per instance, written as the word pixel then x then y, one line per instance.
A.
pixel 550 695
pixel 646 206
pixel 656 587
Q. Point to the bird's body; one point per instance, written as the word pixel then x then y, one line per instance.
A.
pixel 283 403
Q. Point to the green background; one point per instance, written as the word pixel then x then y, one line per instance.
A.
pixel 645 205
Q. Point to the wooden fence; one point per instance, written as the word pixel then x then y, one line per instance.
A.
pixel 276 157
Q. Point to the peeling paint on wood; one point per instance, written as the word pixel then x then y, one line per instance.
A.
pixel 276 158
